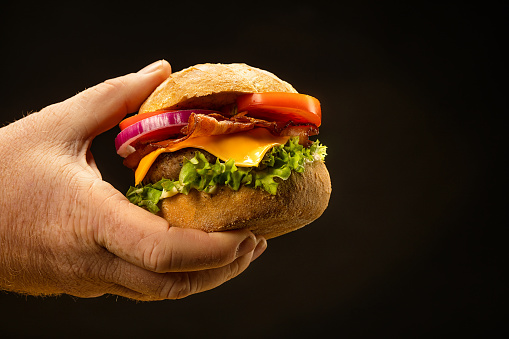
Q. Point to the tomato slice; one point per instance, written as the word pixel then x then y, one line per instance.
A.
pixel 272 106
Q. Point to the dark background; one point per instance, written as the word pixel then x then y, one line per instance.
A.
pixel 413 98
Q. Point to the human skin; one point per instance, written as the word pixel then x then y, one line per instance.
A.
pixel 65 230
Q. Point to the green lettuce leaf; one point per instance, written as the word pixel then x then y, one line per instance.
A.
pixel 198 173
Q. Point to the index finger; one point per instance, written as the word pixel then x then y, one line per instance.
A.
pixel 148 241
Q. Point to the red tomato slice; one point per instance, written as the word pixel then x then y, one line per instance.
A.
pixel 299 108
pixel 138 117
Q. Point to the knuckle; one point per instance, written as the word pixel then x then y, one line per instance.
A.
pixel 111 85
pixel 157 258
pixel 83 278
pixel 236 267
pixel 94 270
pixel 232 270
pixel 115 86
pixel 180 286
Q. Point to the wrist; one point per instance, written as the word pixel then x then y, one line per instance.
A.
pixel 24 261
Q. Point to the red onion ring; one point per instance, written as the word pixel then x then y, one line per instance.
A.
pixel 170 122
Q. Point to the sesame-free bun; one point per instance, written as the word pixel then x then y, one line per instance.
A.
pixel 300 199
pixel 211 86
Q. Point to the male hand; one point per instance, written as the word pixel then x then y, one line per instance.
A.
pixel 65 230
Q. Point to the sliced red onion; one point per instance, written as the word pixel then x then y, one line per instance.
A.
pixel 170 121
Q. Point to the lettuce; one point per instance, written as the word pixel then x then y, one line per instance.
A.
pixel 198 173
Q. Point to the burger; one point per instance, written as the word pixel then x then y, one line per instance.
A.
pixel 219 147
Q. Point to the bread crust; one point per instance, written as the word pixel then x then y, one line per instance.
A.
pixel 300 199
pixel 212 86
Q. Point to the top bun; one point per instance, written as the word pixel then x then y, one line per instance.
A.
pixel 211 86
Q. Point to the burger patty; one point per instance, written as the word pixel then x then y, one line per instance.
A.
pixel 168 165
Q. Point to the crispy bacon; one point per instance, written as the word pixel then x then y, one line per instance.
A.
pixel 302 131
pixel 216 124
pixel 205 125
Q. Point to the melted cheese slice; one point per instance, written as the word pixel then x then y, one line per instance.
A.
pixel 245 148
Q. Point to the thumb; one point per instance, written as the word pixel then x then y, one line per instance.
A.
pixel 101 107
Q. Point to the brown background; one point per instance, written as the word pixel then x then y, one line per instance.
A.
pixel 413 102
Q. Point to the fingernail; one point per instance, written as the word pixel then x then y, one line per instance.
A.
pixel 152 67
pixel 260 248
pixel 246 246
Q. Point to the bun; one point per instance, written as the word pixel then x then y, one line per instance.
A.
pixel 211 86
pixel 300 199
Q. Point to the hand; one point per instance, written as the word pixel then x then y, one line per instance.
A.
pixel 65 230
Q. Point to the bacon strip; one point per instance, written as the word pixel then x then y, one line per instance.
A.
pixel 216 124
pixel 204 125
pixel 302 131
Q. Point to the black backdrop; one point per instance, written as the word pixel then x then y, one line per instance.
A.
pixel 412 106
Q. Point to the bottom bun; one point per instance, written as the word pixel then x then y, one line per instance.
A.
pixel 300 199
